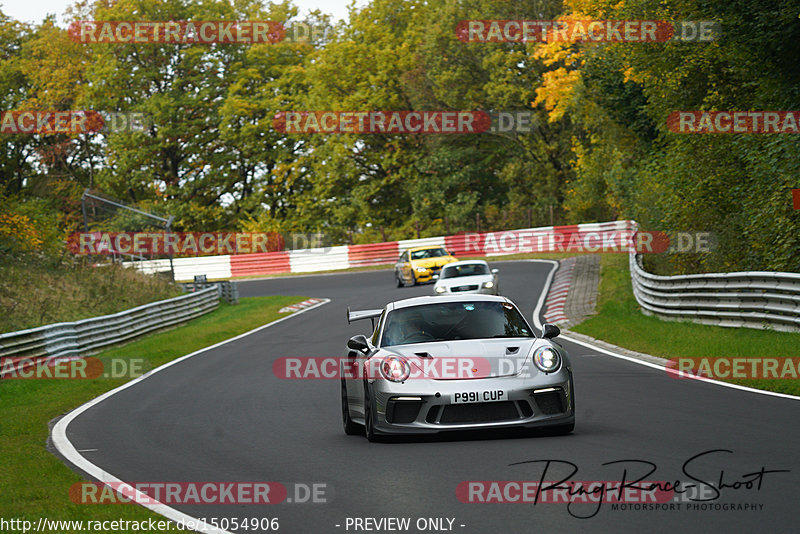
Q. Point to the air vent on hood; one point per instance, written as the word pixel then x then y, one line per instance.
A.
pixel 511 350
pixel 423 354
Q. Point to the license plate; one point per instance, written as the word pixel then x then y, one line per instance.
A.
pixel 491 395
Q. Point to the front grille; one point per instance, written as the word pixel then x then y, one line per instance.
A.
pixel 525 408
pixel 479 412
pixel 464 288
pixel 432 413
pixel 402 412
pixel 550 402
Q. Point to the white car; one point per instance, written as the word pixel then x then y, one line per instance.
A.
pixel 472 276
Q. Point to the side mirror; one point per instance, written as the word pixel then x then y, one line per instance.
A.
pixel 358 343
pixel 495 271
pixel 435 277
pixel 549 331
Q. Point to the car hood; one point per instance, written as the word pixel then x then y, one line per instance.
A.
pixel 467 359
pixel 433 262
pixel 465 280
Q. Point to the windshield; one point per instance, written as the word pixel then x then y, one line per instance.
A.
pixel 470 269
pixel 428 253
pixel 450 321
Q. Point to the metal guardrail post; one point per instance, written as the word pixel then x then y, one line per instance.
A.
pixel 227 290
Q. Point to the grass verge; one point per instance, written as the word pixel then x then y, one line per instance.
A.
pixel 33 482
pixel 36 293
pixel 620 321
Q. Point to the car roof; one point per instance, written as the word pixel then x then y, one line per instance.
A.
pixel 425 247
pixel 466 262
pixel 434 299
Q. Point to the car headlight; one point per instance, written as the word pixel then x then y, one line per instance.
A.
pixel 488 285
pixel 440 289
pixel 395 369
pixel 422 270
pixel 547 359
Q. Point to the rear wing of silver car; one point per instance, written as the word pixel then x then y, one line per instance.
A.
pixel 363 314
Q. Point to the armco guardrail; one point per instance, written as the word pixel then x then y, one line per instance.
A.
pixel 81 338
pixel 765 300
pixel 227 291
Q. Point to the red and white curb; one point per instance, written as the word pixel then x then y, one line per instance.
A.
pixel 613 235
pixel 557 296
pixel 300 305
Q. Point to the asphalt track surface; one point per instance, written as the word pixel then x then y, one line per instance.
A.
pixel 224 416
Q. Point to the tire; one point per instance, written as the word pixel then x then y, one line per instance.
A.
pixel 414 277
pixel 369 416
pixel 351 428
pixel 398 279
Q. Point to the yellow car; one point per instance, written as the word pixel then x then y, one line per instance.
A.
pixel 418 264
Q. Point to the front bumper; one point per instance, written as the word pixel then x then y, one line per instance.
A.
pixel 425 405
pixel 427 274
pixel 479 290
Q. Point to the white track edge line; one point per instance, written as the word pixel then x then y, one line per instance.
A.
pixel 642 362
pixel 59 433
pixel 545 289
pixel 673 371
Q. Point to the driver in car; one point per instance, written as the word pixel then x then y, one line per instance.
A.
pixel 406 329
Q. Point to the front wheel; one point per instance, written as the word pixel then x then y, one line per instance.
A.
pixel 351 428
pixel 398 279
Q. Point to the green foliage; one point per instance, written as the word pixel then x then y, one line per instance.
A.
pixel 35 293
pixel 735 186
pixel 29 231
pixel 598 148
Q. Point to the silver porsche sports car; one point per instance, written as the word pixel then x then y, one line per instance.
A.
pixel 454 362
